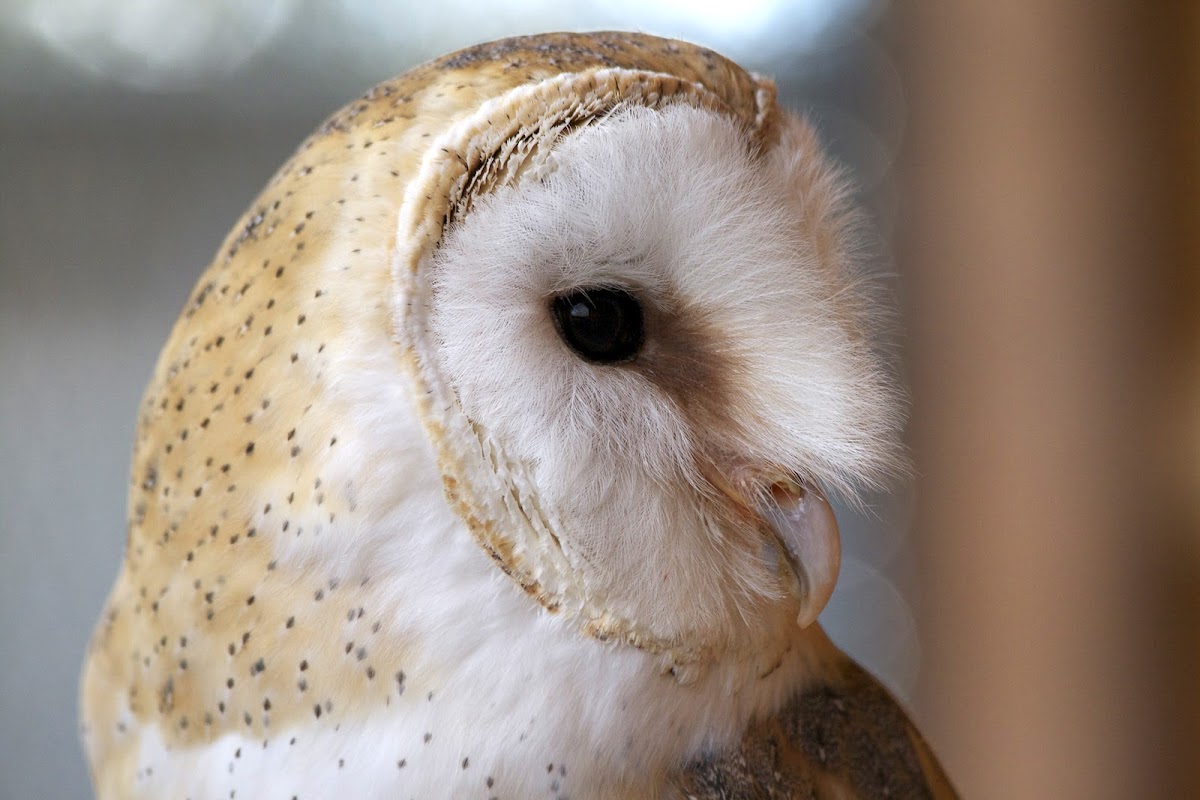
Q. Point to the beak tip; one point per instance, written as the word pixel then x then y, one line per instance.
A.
pixel 808 614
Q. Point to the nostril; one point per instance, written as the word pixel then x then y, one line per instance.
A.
pixel 787 492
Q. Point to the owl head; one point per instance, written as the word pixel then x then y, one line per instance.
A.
pixel 577 313
pixel 642 351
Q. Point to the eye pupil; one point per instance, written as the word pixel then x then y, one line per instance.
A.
pixel 601 325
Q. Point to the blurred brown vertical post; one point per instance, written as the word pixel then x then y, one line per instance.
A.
pixel 1179 65
pixel 1035 245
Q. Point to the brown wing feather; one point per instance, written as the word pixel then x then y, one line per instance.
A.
pixel 841 737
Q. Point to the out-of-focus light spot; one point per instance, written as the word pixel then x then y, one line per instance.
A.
pixel 742 28
pixel 434 28
pixel 156 44
pixel 869 619
pixel 879 530
pixel 719 18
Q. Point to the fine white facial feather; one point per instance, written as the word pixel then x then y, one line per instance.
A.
pixel 755 356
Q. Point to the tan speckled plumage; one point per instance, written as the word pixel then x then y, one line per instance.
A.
pixel 207 632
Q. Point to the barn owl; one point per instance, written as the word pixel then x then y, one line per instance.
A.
pixel 489 458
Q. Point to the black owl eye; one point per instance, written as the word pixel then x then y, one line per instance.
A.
pixel 602 325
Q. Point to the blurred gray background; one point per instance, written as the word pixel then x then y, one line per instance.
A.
pixel 133 134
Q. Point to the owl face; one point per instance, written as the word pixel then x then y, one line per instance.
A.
pixel 657 336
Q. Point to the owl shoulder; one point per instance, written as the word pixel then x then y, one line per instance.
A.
pixel 842 736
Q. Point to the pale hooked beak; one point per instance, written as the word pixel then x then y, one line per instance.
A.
pixel 803 524
pixel 802 539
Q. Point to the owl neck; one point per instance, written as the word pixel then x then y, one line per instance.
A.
pixel 487 657
pixel 464 655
